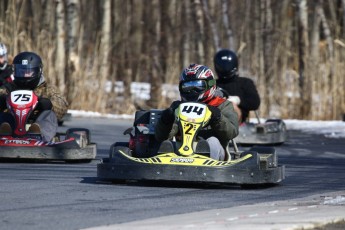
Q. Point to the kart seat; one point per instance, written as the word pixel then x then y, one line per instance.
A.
pixel 148 118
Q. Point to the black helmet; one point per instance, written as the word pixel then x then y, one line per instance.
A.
pixel 27 70
pixel 226 64
pixel 197 83
pixel 3 56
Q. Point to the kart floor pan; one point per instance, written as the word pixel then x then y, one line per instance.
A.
pixel 48 153
pixel 257 169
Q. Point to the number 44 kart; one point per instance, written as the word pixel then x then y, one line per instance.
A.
pixel 142 158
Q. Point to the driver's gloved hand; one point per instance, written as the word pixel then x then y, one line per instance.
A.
pixel 6 73
pixel 168 115
pixel 3 104
pixel 216 114
pixel 44 104
pixel 175 104
pixel 234 99
pixel 9 87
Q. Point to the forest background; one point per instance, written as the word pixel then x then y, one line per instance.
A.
pixel 294 50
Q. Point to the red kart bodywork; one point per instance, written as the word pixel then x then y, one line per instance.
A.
pixel 74 145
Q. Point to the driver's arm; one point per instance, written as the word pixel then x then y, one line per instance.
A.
pixel 227 128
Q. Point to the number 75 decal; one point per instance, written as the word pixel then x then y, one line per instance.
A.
pixel 21 97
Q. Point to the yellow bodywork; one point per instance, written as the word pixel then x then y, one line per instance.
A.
pixel 191 117
pixel 195 160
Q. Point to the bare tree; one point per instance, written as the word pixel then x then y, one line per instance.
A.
pixel 215 34
pixel 186 35
pixel 267 31
pixel 104 55
pixel 60 46
pixel 303 58
pixel 226 22
pixel 72 48
pixel 198 32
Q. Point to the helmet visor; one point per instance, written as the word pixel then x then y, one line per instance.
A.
pixel 25 71
pixel 193 86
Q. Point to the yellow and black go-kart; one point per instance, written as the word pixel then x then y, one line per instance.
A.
pixel 142 158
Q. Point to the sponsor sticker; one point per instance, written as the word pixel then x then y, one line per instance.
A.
pixel 17 142
pixel 182 160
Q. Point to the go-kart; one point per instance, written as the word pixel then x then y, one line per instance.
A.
pixel 271 132
pixel 186 158
pixel 72 146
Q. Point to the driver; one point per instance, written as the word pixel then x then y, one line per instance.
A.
pixel 28 75
pixel 242 91
pixel 197 84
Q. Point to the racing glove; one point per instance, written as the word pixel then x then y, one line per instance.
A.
pixel 216 114
pixel 175 104
pixel 9 87
pixel 3 104
pixel 44 104
pixel 6 73
pixel 168 116
pixel 235 99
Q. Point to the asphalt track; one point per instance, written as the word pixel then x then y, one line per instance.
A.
pixel 69 196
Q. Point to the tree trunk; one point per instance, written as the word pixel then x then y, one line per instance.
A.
pixel 60 63
pixel 303 39
pixel 198 31
pixel 104 55
pixel 73 59
pixel 226 22
pixel 267 30
pixel 156 68
pixel 215 34
pixel 186 37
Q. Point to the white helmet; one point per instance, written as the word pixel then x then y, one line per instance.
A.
pixel 3 53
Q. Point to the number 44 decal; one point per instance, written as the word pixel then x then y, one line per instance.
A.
pixel 193 109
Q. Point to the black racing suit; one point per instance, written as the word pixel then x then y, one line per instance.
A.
pixel 245 89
